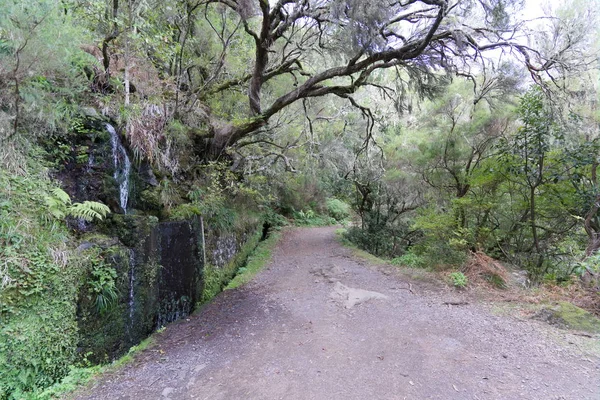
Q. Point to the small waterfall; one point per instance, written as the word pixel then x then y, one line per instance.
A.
pixel 122 166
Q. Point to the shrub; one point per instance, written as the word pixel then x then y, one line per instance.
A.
pixel 338 209
pixel 311 218
pixel 410 259
pixel 374 241
pixel 459 280
pixel 275 220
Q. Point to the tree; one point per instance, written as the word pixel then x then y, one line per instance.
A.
pixel 41 69
pixel 336 47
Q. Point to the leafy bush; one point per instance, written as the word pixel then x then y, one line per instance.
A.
pixel 459 280
pixel 103 286
pixel 410 259
pixel 274 219
pixel 338 209
pixel 310 218
pixel 443 244
pixel 379 242
pixel 298 193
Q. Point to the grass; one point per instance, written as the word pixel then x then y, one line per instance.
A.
pixel 256 261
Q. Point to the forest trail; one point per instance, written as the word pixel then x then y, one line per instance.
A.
pixel 317 323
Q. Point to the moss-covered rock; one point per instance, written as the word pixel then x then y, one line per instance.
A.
pixel 129 249
pixel 566 315
pixel 149 199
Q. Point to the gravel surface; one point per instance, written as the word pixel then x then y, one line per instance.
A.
pixel 320 324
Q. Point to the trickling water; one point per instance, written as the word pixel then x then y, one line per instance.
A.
pixel 122 166
pixel 90 163
pixel 81 224
pixel 130 322
pixel 131 284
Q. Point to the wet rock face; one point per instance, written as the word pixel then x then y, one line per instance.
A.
pixel 95 164
pixel 129 245
pixel 158 265
pixel 181 272
pixel 160 278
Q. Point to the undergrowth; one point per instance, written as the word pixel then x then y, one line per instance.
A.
pixel 79 376
pixel 39 281
pixel 311 218
pixel 41 276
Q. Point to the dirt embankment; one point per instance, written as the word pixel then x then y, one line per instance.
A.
pixel 319 324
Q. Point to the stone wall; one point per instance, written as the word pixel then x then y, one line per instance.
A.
pixel 160 277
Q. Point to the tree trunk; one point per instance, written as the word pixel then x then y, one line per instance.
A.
pixel 226 135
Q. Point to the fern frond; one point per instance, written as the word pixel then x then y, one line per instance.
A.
pixel 61 196
pixel 88 210
pixel 56 208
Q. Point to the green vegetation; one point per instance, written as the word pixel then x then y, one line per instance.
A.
pixel 60 206
pixel 338 209
pixel 79 376
pixel 459 279
pixel 431 148
pixel 255 262
pixel 38 333
pixel 569 316
pixel 311 218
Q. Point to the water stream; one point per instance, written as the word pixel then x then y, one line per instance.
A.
pixel 122 166
pixel 131 289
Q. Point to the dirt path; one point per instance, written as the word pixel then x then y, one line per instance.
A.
pixel 318 324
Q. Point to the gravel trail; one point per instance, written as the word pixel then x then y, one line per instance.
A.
pixel 320 324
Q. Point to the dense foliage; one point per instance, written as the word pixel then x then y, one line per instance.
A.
pixel 416 119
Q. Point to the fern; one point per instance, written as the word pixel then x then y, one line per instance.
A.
pixel 88 210
pixel 57 203
pixel 59 206
pixel 56 208
pixel 61 196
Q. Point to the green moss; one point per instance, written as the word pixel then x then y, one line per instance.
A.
pixel 216 279
pixel 256 261
pixel 149 199
pixel 567 315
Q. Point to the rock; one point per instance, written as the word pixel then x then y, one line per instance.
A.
pixel 351 297
pixel 566 315
pixel 90 112
pixel 521 278
pixel 85 246
pixel 147 175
